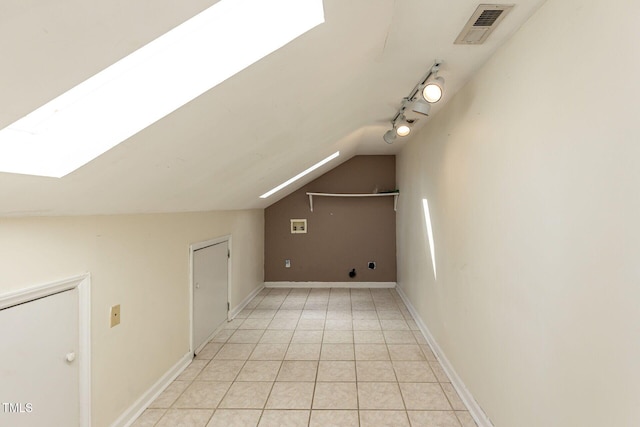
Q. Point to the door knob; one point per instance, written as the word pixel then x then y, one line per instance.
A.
pixel 71 357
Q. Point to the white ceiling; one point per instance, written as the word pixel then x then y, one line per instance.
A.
pixel 334 88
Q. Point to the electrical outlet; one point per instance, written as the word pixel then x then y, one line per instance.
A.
pixel 287 263
pixel 115 315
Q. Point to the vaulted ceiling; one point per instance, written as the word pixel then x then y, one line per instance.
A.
pixel 334 88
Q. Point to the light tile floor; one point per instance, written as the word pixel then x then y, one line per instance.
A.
pixel 314 357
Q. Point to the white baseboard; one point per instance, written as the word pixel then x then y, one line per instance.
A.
pixel 238 308
pixel 130 415
pixel 467 398
pixel 354 285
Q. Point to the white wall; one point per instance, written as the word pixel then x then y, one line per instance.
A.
pixel 140 262
pixel 532 174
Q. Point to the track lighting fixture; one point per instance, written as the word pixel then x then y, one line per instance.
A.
pixel 432 91
pixel 417 105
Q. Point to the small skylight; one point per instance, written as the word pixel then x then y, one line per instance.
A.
pixel 300 175
pixel 157 79
pixel 427 220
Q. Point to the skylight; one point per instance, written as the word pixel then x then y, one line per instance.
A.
pixel 300 175
pixel 135 92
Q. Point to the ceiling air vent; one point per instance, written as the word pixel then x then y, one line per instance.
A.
pixel 483 21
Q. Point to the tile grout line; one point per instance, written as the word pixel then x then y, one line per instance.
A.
pixel 315 383
pixel 355 363
pixel 264 406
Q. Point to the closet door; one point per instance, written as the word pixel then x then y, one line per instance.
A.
pixel 210 284
pixel 39 373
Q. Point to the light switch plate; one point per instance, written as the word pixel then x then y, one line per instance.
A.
pixel 115 315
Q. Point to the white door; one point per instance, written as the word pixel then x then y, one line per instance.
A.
pixel 210 283
pixel 39 374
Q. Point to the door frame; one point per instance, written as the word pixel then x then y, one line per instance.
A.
pixel 192 248
pixel 83 283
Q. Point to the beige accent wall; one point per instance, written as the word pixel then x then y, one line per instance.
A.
pixel 532 174
pixel 343 233
pixel 142 263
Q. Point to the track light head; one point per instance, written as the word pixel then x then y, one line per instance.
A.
pixel 403 130
pixel 418 106
pixel 432 90
pixel 389 136
pixel 402 126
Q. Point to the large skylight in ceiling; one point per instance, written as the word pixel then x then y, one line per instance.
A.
pixel 152 82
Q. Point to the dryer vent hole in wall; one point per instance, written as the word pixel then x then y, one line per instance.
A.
pixel 352 273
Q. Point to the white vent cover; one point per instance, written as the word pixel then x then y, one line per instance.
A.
pixel 483 21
